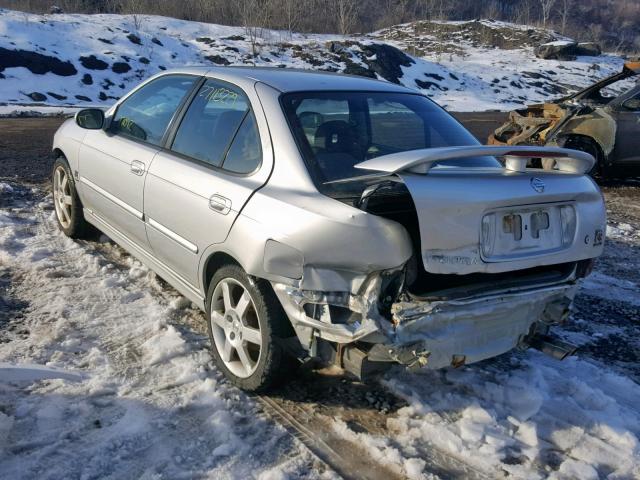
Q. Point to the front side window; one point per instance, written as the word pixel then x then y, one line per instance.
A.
pixel 146 114
pixel 337 130
pixel 212 122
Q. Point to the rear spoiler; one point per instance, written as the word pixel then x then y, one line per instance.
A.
pixel 516 158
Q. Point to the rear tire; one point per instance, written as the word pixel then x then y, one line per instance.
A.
pixel 246 325
pixel 588 145
pixel 66 202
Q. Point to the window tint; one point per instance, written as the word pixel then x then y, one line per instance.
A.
pixel 245 153
pixel 146 114
pixel 211 122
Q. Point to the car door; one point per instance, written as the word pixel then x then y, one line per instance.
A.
pixel 627 115
pixel 113 162
pixel 198 184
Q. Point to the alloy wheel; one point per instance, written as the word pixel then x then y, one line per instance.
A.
pixel 235 327
pixel 62 198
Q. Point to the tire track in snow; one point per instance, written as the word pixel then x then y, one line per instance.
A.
pixel 351 458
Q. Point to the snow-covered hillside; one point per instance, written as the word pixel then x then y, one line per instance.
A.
pixel 62 60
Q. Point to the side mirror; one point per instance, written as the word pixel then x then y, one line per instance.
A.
pixel 632 104
pixel 90 118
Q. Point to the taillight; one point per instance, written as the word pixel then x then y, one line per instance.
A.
pixel 568 224
pixel 488 234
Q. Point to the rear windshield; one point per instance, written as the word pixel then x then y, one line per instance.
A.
pixel 337 130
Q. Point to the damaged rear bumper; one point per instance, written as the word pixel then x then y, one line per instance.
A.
pixel 431 334
pixel 457 332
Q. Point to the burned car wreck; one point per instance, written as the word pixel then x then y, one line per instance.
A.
pixel 321 216
pixel 607 127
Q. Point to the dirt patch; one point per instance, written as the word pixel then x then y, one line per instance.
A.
pixel 25 147
pixel 381 59
pixel 93 63
pixel 121 67
pixel 36 62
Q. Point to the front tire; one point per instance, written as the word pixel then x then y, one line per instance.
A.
pixel 246 325
pixel 66 201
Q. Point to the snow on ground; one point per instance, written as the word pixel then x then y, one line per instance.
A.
pixel 97 380
pixel 62 60
pixel 525 415
pixel 103 377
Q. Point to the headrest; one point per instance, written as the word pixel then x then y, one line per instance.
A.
pixel 335 136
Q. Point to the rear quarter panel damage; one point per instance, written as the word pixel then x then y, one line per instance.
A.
pixel 339 245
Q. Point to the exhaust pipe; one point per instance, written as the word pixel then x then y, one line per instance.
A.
pixel 551 346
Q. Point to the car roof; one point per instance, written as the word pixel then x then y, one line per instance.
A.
pixel 297 80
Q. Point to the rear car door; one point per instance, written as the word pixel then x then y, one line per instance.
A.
pixel 114 162
pixel 199 183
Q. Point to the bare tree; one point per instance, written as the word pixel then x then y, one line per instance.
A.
pixel 395 11
pixel 254 15
pixel 291 10
pixel 545 7
pixel 347 13
pixel 615 27
pixel 565 9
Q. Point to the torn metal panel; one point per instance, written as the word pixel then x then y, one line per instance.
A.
pixel 529 126
pixel 473 329
pixel 426 333
pixel 311 315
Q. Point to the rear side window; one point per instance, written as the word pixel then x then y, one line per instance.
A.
pixel 245 153
pixel 146 114
pixel 211 123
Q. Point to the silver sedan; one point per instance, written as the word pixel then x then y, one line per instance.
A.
pixel 321 216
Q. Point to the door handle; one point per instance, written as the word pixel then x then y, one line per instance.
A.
pixel 137 167
pixel 219 204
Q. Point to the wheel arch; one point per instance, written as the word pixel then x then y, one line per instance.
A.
pixel 57 153
pixel 598 126
pixel 602 163
pixel 214 262
pixel 581 136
